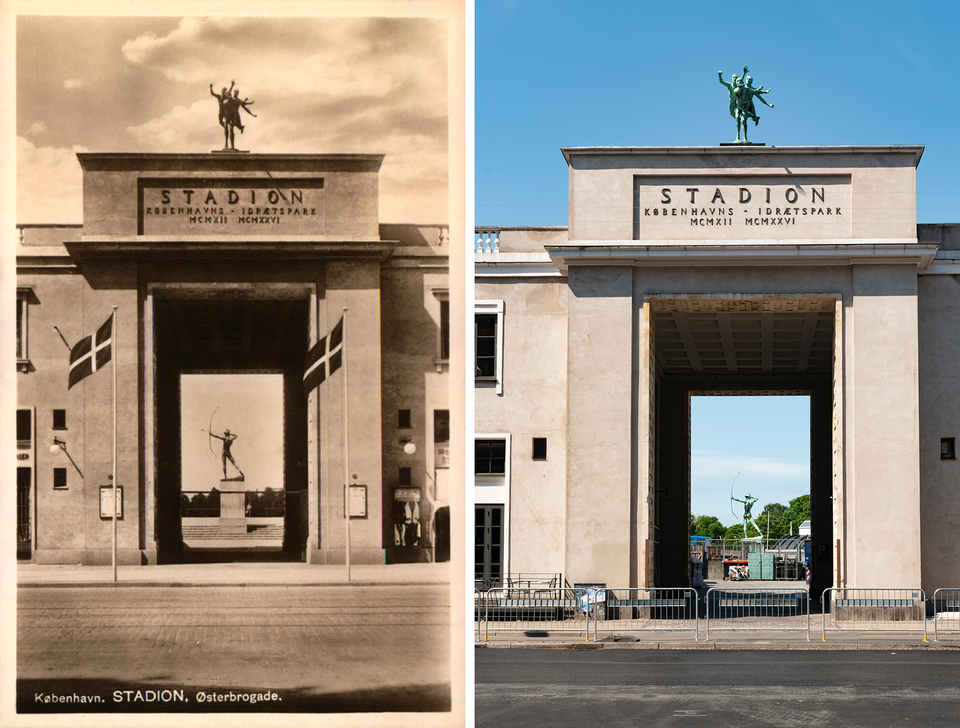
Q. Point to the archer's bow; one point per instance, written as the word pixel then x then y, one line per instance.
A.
pixel 210 433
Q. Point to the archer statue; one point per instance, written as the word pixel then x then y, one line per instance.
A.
pixel 742 94
pixel 227 437
pixel 229 117
pixel 748 502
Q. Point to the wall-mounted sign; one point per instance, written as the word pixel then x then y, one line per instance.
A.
pixel 358 501
pixel 106 511
pixel 238 206
pixel 738 207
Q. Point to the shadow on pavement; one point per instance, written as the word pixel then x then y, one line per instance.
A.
pixel 116 696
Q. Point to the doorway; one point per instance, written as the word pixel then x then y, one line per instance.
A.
pixel 230 363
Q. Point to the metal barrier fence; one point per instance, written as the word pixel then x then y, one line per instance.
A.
pixel 650 609
pixel 478 601
pixel 535 610
pixel 758 609
pixel 871 610
pixel 946 611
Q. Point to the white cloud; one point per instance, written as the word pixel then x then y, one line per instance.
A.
pixel 37 127
pixel 49 184
pixel 74 83
pixel 702 463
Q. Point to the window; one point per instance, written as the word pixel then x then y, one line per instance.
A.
pixel 488 546
pixel 404 476
pixel 486 345
pixel 23 356
pixel 24 428
pixel 444 329
pixel 948 448
pixel 59 478
pixel 488 342
pixel 59 419
pixel 403 419
pixel 490 457
pixel 443 332
pixel 539 448
pixel 441 438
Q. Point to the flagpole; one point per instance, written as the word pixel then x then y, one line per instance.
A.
pixel 346 441
pixel 115 357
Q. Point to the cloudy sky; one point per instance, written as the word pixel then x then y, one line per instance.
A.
pixel 141 84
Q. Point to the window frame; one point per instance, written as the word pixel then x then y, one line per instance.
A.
pixel 950 452
pixel 442 357
pixel 495 489
pixel 490 307
pixel 66 479
pixel 23 329
pixel 55 426
pixel 533 453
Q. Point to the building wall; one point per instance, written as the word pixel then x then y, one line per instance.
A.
pixel 533 404
pixel 939 354
pixel 412 285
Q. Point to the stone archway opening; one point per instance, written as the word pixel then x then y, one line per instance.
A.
pixel 739 344
pixel 235 341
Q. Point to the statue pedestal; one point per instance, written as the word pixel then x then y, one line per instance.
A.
pixel 233 520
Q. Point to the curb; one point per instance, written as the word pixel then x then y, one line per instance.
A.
pixel 730 646
pixel 153 584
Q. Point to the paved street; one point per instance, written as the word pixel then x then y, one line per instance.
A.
pixel 716 688
pixel 319 648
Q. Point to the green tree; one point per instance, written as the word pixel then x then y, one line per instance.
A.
pixel 774 514
pixel 797 512
pixel 736 531
pixel 708 526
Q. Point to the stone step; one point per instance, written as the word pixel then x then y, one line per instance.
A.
pixel 254 532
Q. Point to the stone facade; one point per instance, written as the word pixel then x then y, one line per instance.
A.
pixel 818 245
pixel 278 246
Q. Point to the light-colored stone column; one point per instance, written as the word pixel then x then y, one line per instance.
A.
pixel 599 444
pixel 356 285
pixel 884 445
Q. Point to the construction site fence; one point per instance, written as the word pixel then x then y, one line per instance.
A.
pixel 763 608
pixel 646 609
pixel 873 610
pixel 535 610
pixel 946 611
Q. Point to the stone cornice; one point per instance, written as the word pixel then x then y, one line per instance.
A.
pixel 915 149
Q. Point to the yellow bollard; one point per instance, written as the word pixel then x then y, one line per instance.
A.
pixel 824 636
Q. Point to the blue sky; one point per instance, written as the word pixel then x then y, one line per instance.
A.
pixel 645 74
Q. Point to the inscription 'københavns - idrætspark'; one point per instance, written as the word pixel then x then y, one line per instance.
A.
pixel 758 207
pixel 223 206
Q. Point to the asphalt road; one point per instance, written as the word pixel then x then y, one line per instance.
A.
pixel 715 688
pixel 317 648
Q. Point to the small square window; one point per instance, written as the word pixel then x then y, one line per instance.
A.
pixel 539 448
pixel 948 449
pixel 404 476
pixel 59 478
pixel 59 419
pixel 403 419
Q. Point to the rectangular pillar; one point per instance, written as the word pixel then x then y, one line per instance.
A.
pixel 600 429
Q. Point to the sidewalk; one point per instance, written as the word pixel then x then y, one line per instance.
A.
pixel 233 574
pixel 726 640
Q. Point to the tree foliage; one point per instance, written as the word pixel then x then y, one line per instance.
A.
pixel 780 518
